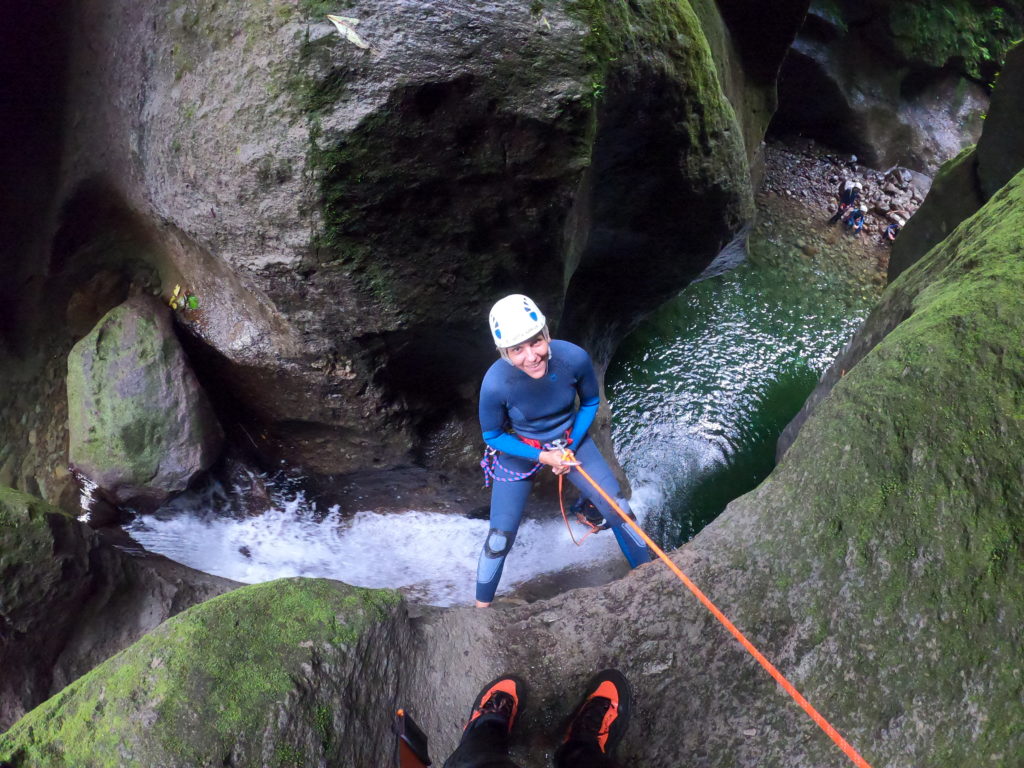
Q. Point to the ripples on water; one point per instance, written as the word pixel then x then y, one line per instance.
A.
pixel 702 390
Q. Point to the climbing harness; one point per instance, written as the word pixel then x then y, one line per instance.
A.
pixel 491 466
pixel 563 446
pixel 787 686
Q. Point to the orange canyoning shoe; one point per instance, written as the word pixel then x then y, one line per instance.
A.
pixel 603 714
pixel 501 697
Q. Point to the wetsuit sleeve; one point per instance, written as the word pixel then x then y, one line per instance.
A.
pixel 584 418
pixel 586 386
pixel 492 424
pixel 507 443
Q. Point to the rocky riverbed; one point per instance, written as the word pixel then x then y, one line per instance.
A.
pixel 806 176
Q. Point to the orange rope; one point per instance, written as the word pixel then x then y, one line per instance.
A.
pixel 769 667
pixel 565 517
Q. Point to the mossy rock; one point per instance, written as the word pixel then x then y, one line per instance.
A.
pixel 1001 147
pixel 139 425
pixel 259 676
pixel 893 526
pixel 69 600
pixel 44 583
pixel 953 197
pixel 32 564
pixel 972 35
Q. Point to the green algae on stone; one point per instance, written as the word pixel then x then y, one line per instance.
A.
pixel 27 575
pixel 940 32
pixel 210 682
pixel 139 425
pixel 618 31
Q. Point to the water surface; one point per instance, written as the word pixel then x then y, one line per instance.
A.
pixel 703 388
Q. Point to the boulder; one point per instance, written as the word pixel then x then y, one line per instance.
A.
pixel 139 425
pixel 68 600
pixel 295 672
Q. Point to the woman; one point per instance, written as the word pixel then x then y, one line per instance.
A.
pixel 527 403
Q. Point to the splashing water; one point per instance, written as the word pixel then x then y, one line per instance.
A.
pixel 430 556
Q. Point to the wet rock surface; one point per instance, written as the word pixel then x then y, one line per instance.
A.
pixel 809 176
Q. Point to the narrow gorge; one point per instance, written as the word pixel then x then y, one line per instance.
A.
pixel 248 261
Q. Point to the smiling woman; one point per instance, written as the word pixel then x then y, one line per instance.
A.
pixel 527 413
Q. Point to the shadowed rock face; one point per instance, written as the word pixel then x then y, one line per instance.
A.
pixel 68 600
pixel 881 92
pixel 1001 146
pixel 966 182
pixel 346 216
pixel 294 672
pixel 31 135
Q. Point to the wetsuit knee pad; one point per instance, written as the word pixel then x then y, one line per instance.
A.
pixel 498 542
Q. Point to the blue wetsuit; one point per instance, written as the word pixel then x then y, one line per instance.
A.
pixel 855 220
pixel 543 409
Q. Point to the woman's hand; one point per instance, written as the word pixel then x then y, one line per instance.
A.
pixel 558 464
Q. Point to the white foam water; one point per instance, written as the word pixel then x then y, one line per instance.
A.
pixel 430 556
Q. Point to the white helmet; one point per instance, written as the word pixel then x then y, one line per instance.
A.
pixel 514 319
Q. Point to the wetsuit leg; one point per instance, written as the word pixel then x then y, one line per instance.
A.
pixel 484 745
pixel 632 546
pixel 507 502
pixel 583 755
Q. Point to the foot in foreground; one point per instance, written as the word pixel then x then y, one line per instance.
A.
pixel 591 735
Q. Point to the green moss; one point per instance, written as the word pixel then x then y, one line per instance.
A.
pixel 918 519
pixel 203 682
pixel 940 32
pixel 322 723
pixel 289 757
pixel 433 176
pixel 112 426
